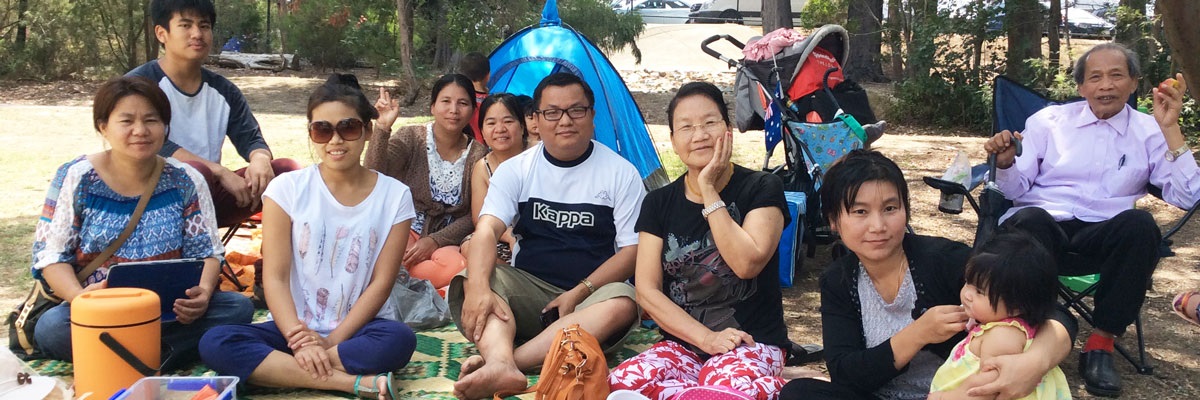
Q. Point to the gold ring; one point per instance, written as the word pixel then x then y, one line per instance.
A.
pixel 733 338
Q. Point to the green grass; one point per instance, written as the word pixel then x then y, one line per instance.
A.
pixel 16 239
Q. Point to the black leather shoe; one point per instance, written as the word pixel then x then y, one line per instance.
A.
pixel 1099 374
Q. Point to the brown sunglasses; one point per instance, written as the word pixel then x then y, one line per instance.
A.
pixel 350 129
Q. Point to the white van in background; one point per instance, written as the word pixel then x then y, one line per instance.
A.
pixel 737 11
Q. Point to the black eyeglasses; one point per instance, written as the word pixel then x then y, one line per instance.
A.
pixel 350 129
pixel 555 114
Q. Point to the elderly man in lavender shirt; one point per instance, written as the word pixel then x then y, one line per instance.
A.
pixel 1083 167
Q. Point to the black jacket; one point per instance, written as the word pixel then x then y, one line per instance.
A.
pixel 936 265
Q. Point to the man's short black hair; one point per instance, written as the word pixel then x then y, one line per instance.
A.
pixel 161 11
pixel 475 66
pixel 561 79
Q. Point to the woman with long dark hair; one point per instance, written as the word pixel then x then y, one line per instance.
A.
pixel 436 160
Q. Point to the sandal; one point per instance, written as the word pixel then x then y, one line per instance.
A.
pixel 1180 303
pixel 372 392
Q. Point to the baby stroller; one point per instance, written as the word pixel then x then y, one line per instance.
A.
pixel 799 96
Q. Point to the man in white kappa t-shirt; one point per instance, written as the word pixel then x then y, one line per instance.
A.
pixel 572 203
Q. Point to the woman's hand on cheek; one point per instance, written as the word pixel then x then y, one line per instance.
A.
pixel 722 152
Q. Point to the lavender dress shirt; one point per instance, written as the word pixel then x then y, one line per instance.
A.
pixel 1076 166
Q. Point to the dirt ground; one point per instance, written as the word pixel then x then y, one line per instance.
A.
pixel 52 120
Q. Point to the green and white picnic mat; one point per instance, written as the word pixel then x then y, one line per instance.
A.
pixel 430 375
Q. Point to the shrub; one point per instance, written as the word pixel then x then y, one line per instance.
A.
pixel 955 93
pixel 1189 116
pixel 821 12
pixel 333 34
pixel 943 102
pixel 243 19
pixel 62 41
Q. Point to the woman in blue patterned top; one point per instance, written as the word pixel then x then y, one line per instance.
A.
pixel 91 200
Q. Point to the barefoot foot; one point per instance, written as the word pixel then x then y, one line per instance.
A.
pixel 489 379
pixel 470 365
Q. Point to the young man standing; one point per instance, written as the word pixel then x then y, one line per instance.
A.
pixel 206 108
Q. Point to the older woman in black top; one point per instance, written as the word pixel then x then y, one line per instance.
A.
pixel 707 269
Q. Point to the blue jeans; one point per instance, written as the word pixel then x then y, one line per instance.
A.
pixel 53 331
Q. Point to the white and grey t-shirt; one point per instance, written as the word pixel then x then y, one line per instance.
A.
pixel 568 216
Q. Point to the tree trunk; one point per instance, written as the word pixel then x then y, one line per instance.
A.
pixel 921 46
pixel 404 28
pixel 776 14
pixel 150 42
pixel 284 11
pixel 132 31
pixel 1052 23
pixel 895 24
pixel 22 21
pixel 1178 17
pixel 1024 38
pixel 866 41
pixel 1133 33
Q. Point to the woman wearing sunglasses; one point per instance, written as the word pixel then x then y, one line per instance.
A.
pixel 435 160
pixel 333 237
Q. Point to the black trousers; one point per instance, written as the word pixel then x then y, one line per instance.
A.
pixel 1123 250
pixel 816 389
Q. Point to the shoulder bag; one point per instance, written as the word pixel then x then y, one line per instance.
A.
pixel 23 319
pixel 574 369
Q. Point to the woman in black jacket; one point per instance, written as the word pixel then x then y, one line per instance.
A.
pixel 890 309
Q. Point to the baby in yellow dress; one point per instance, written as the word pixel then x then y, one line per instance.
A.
pixel 1009 291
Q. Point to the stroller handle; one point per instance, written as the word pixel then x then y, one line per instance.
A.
pixel 992 160
pixel 717 55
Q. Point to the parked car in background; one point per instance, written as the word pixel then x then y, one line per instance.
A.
pixel 656 11
pixel 737 11
pixel 1078 23
pixel 1081 23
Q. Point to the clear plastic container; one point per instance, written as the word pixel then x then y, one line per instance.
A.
pixel 178 388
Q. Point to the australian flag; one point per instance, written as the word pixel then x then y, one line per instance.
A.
pixel 772 117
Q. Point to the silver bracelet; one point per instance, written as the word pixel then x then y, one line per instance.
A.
pixel 712 208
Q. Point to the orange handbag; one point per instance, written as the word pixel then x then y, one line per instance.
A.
pixel 574 369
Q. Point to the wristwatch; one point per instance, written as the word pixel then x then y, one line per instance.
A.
pixel 712 208
pixel 1174 154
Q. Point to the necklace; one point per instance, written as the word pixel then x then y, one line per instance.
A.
pixel 899 278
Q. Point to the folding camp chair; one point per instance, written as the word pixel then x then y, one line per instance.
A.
pixel 227 272
pixel 1013 103
pixel 252 222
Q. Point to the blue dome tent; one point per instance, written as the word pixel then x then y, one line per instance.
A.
pixel 535 52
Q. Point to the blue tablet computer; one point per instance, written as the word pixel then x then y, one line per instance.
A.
pixel 170 279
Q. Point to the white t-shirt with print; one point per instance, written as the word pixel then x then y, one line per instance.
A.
pixel 568 217
pixel 334 247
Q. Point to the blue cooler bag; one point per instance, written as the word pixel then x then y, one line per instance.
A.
pixel 790 243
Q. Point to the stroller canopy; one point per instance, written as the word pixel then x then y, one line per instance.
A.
pixel 535 52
